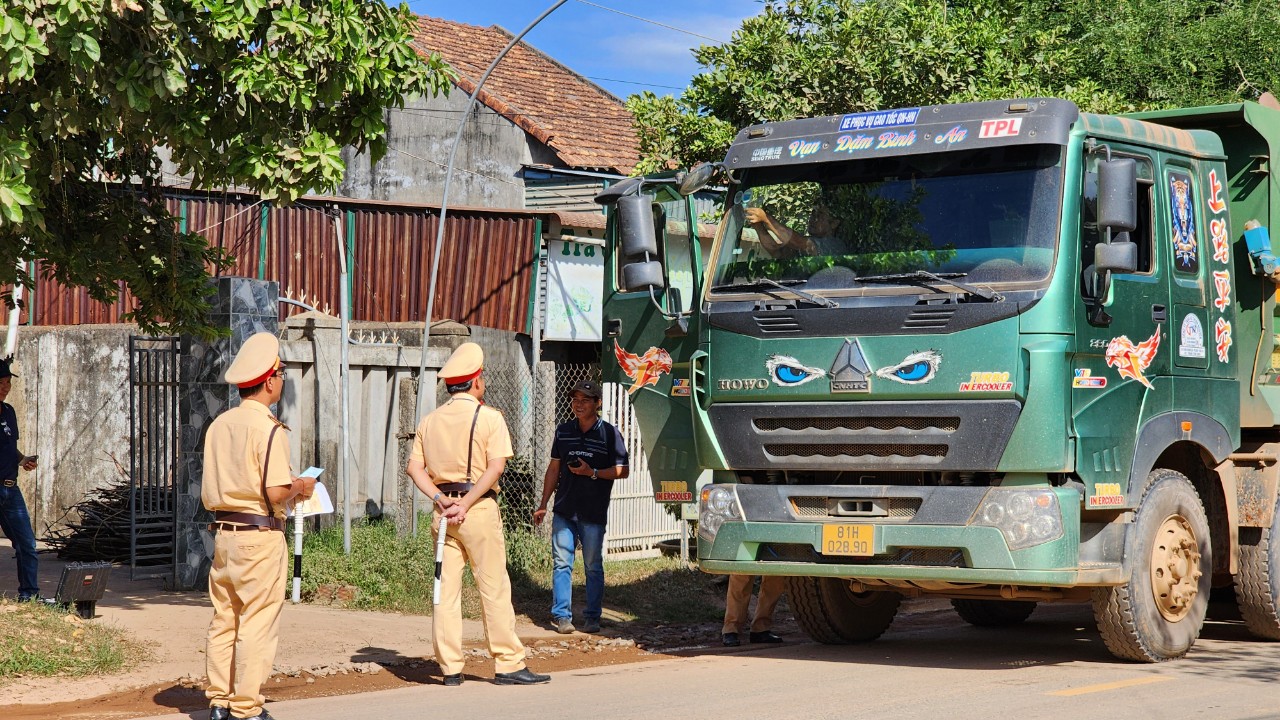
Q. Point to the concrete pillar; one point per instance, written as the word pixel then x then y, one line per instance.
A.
pixel 243 306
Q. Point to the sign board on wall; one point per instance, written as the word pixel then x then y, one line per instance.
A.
pixel 575 285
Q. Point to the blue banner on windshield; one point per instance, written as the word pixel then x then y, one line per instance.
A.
pixel 879 119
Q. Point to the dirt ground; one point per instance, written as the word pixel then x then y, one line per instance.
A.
pixel 323 651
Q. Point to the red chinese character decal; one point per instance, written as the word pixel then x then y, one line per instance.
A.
pixel 1222 334
pixel 1215 193
pixel 1221 247
pixel 1222 285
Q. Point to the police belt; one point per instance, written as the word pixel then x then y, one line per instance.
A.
pixel 244 518
pixel 9 482
pixel 459 489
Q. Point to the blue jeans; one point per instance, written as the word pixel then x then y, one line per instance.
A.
pixel 16 525
pixel 565 534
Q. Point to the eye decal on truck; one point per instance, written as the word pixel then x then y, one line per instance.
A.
pixel 787 371
pixel 916 369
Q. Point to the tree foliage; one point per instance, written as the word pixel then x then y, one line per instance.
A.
pixel 805 58
pixel 259 94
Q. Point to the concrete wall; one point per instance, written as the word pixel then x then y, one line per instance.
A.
pixel 419 138
pixel 72 400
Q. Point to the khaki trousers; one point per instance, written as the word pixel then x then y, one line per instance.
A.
pixel 246 586
pixel 477 540
pixel 735 604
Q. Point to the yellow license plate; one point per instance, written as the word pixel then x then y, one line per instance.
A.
pixel 858 540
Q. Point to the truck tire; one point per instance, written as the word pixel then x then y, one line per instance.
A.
pixel 1157 614
pixel 1258 583
pixel 993 613
pixel 831 613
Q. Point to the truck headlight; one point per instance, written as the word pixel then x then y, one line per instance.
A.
pixel 1025 516
pixel 718 504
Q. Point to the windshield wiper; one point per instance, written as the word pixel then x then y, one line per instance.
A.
pixel 758 283
pixel 924 278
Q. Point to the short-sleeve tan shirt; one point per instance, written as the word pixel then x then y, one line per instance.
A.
pixel 234 448
pixel 440 442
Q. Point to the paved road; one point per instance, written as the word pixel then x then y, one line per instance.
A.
pixel 1054 666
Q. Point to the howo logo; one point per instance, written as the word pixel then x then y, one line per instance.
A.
pixel 743 384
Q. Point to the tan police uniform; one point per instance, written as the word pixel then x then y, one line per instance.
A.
pixel 739 597
pixel 440 443
pixel 247 579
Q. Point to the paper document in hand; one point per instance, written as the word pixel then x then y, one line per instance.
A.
pixel 318 504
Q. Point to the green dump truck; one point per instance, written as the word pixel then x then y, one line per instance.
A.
pixel 1001 352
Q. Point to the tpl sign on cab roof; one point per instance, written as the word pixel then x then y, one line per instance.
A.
pixel 1007 127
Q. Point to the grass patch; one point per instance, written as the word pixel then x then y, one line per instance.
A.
pixel 395 574
pixel 39 640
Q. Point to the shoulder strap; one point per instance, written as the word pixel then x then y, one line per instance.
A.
pixel 471 439
pixel 266 463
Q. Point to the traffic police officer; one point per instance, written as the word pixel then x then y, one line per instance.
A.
pixel 459 451
pixel 247 484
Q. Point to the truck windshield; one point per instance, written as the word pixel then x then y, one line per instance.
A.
pixel 987 216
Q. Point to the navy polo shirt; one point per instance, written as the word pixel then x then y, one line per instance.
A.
pixel 9 455
pixel 600 447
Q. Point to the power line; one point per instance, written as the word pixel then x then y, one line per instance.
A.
pixel 653 22
pixel 633 82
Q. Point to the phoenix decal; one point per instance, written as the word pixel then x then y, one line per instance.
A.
pixel 915 369
pixel 787 371
pixel 1131 360
pixel 642 369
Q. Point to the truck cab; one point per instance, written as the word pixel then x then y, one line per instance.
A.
pixel 1003 352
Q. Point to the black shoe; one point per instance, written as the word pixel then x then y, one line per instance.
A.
pixel 219 712
pixel 264 715
pixel 765 637
pixel 731 640
pixel 524 676
pixel 453 680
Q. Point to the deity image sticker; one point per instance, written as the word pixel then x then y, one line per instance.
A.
pixel 1191 337
pixel 915 369
pixel 1222 338
pixel 1183 216
pixel 1131 360
pixel 786 371
pixel 642 369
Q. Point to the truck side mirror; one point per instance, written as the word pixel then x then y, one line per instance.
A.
pixel 636 234
pixel 1118 194
pixel 1119 256
pixel 696 179
pixel 643 276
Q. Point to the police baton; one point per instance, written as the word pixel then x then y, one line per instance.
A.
pixel 435 590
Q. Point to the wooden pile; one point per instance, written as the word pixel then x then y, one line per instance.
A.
pixel 103 530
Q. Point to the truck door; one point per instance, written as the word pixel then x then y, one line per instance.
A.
pixel 1121 368
pixel 650 340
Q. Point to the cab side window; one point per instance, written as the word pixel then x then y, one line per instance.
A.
pixel 1142 235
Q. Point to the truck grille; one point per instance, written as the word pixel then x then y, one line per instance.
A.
pixel 916 557
pixel 777 324
pixel 822 507
pixel 847 450
pixel 865 434
pixel 945 424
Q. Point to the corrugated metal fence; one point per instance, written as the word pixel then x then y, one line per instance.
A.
pixel 389 255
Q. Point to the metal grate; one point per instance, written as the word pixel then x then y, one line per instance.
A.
pixel 918 557
pixel 153 454
pixel 776 325
pixel 820 506
pixel 856 450
pixel 946 424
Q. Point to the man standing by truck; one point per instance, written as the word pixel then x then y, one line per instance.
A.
pixel 586 457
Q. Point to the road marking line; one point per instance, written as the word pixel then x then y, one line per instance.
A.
pixel 1117 685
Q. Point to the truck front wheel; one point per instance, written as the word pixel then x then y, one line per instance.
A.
pixel 993 613
pixel 1258 583
pixel 1158 613
pixel 830 612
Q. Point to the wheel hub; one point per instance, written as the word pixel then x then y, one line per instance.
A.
pixel 1175 568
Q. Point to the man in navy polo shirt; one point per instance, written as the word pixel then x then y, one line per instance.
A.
pixel 14 520
pixel 587 456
